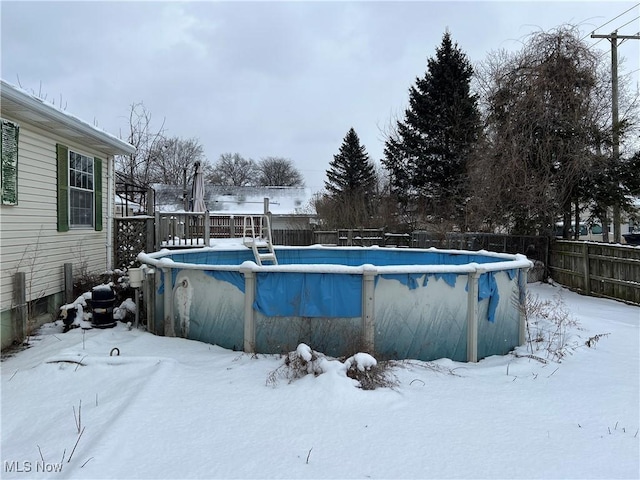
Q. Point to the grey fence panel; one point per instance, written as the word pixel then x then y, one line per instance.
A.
pixel 598 269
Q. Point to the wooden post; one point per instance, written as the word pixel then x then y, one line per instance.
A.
pixel 249 313
pixel 68 283
pixel 368 305
pixel 150 230
pixel 150 201
pixel 267 212
pixel 20 302
pixel 585 259
pixel 169 329
pixel 149 289
pixel 472 317
pixel 158 233
pixel 523 274
pixel 185 198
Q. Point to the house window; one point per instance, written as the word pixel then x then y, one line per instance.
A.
pixel 79 179
pixel 81 191
pixel 9 167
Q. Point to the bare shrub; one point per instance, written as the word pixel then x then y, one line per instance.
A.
pixel 370 377
pixel 548 324
pixel 303 361
pixel 592 341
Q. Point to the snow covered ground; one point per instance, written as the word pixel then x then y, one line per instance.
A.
pixel 174 408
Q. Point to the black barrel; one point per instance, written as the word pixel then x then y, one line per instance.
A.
pixel 102 302
pixel 632 238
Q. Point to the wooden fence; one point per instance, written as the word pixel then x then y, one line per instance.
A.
pixel 598 269
pixel 293 238
pixel 360 237
pixel 534 247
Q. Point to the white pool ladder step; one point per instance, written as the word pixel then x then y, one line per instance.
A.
pixel 258 238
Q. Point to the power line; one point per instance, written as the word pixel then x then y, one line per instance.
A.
pixel 622 26
pixel 615 18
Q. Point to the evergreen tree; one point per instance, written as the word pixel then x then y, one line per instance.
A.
pixel 427 154
pixel 351 184
pixel 351 172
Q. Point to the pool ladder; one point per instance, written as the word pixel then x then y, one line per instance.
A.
pixel 258 238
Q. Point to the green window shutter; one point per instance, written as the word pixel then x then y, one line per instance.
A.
pixel 62 153
pixel 9 166
pixel 97 191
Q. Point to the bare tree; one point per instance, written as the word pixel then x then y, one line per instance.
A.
pixel 540 125
pixel 345 211
pixel 279 172
pixel 177 157
pixel 234 170
pixel 136 169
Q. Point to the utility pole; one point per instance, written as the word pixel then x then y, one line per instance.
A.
pixel 613 38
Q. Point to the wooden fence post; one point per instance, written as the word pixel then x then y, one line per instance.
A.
pixel 150 230
pixel 157 242
pixel 523 273
pixel 169 328
pixel 20 302
pixel 585 259
pixel 68 282
pixel 150 201
pixel 207 228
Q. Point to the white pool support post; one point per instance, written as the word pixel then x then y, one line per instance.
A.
pixel 369 273
pixel 149 288
pixel 249 344
pixel 472 316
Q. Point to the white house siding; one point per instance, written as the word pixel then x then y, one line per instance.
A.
pixel 29 240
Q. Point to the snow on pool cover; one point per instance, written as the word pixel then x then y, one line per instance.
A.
pixel 393 303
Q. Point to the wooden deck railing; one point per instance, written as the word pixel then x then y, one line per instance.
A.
pixel 191 229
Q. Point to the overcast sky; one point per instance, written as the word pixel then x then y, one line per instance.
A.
pixel 269 78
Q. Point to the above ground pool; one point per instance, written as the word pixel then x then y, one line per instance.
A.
pixel 394 303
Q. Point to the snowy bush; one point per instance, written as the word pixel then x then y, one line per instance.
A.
pixel 126 310
pixel 361 367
